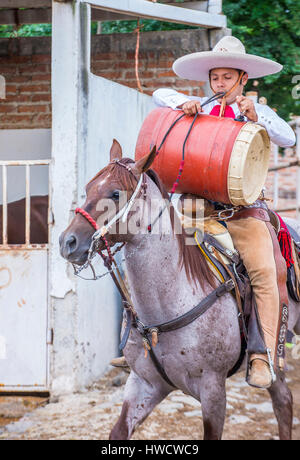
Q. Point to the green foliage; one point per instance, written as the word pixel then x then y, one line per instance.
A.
pixel 146 25
pixel 270 29
pixel 27 30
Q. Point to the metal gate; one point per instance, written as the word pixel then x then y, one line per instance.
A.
pixel 24 299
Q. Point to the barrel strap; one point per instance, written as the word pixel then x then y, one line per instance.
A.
pixel 175 184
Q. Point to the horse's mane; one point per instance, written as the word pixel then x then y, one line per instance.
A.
pixel 191 258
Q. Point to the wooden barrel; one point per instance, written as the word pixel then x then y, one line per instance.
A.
pixel 225 160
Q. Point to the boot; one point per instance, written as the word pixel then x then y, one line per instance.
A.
pixel 260 375
pixel 267 272
pixel 120 362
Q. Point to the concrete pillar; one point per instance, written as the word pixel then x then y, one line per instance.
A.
pixel 66 145
pixel 85 315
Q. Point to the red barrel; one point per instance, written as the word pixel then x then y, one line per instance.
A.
pixel 207 151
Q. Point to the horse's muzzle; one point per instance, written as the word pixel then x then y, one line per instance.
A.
pixel 72 250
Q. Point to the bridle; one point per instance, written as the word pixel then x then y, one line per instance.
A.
pixel 100 232
pixel 99 236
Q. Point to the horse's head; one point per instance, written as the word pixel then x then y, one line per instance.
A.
pixel 106 195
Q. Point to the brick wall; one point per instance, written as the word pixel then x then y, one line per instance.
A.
pixel 287 183
pixel 26 65
pixel 113 57
pixel 153 72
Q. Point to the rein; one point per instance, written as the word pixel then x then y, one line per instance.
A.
pixel 132 319
pixel 108 261
pixel 100 233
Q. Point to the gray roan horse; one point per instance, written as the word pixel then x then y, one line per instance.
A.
pixel 168 278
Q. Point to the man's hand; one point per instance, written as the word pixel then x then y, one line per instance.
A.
pixel 246 107
pixel 191 107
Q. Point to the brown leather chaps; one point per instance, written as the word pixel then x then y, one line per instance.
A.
pixel 255 239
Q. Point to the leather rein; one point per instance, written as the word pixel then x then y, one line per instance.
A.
pixel 132 319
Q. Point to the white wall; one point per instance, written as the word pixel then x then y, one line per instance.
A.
pixel 114 111
pixel 25 144
pixel 85 315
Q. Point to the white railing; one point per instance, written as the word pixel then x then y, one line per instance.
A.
pixel 5 164
pixel 164 12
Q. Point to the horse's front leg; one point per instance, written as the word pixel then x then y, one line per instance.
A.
pixel 140 398
pixel 213 404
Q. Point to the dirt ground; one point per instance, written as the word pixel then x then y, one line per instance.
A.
pixel 91 415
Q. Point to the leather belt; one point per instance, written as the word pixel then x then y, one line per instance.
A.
pixel 257 213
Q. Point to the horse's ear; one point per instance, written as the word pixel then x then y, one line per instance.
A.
pixel 144 163
pixel 115 151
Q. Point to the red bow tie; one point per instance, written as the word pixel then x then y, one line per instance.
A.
pixel 229 113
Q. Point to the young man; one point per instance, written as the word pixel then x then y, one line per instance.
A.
pixel 222 67
pixel 227 68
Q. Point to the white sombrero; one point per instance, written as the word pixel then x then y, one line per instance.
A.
pixel 229 52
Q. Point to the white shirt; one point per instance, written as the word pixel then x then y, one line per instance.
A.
pixel 279 131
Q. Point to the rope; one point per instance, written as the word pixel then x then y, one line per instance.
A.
pixel 86 215
pixel 223 102
pixel 137 30
pixel 182 159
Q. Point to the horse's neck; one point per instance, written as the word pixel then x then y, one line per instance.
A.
pixel 158 285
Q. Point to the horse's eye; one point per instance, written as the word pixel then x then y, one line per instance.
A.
pixel 115 195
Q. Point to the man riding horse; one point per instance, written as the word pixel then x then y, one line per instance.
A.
pixel 227 68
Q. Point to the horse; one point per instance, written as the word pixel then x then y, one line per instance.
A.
pixel 16 221
pixel 166 279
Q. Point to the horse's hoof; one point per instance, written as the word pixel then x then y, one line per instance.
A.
pixel 260 375
pixel 120 362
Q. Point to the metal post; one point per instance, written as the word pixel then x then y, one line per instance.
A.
pixel 4 205
pixel 275 182
pixel 27 206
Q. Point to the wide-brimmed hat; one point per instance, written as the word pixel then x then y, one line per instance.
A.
pixel 229 52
